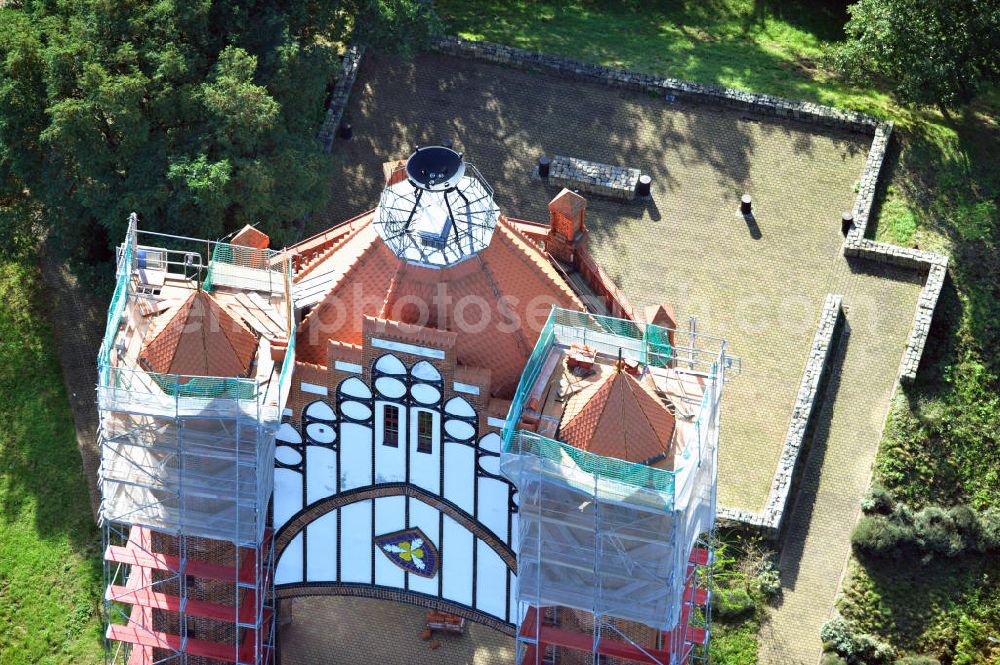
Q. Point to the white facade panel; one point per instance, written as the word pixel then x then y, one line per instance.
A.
pixel 426 519
pixel 321 473
pixel 321 550
pixel 491 581
pixel 313 388
pixel 493 506
pixel 355 456
pixel 411 349
pixel 459 472
pixel 289 567
pixel 456 562
pixel 356 542
pixel 287 495
pixel 390 515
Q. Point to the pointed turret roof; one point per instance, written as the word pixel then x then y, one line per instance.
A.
pixel 201 339
pixel 618 416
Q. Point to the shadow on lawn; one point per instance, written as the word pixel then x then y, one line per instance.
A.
pixel 41 463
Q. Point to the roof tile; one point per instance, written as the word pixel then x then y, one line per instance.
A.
pixel 201 339
pixel 619 417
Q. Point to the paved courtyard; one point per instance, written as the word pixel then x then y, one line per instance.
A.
pixel 363 631
pixel 759 284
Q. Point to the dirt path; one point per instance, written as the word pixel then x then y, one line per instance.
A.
pixel 77 317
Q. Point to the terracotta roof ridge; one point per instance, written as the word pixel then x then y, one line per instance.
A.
pixel 621 414
pixel 525 347
pixel 393 285
pixel 219 313
pixel 309 364
pixel 334 244
pixel 175 339
pixel 516 225
pixel 322 237
pixel 633 384
pixel 355 265
pixel 536 257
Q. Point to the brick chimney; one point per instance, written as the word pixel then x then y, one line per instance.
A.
pixel 662 315
pixel 567 231
pixel 394 171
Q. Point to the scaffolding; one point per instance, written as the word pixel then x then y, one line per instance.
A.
pixel 614 557
pixel 186 471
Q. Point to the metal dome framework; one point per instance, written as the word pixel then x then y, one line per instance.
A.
pixel 436 210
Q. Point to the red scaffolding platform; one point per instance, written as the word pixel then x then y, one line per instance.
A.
pixel 248 616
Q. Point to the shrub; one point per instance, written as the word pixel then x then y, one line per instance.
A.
pixel 831 658
pixel 878 501
pixel 768 580
pixel 937 532
pixel 967 526
pixel 731 604
pixel 989 530
pixel 876 535
pixel 855 648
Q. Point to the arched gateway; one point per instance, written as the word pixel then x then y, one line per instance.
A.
pixel 390 493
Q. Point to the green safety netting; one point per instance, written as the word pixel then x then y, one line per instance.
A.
pixel 647 343
pixel 246 257
pixel 628 475
pixel 206 387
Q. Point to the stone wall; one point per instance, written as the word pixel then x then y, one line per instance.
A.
pixel 869 181
pixel 617 182
pixel 856 245
pixel 341 94
pixel 674 88
pixel 771 518
pixel 922 320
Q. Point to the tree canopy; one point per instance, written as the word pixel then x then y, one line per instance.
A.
pixel 930 52
pixel 199 114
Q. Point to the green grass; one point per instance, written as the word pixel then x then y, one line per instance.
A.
pixel 50 580
pixel 766 46
pixel 943 193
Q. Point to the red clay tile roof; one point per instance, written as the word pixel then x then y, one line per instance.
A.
pixel 201 339
pixel 618 417
pixel 498 300
pixel 248 236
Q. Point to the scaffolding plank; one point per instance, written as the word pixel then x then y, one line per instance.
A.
pixel 700 556
pixel 140 655
pixel 140 636
pixel 605 647
pixel 696 635
pixel 162 601
pixel 132 555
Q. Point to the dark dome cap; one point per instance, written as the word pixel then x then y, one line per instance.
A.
pixel 435 168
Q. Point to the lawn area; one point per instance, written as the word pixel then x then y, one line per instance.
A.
pixel 941 445
pixel 50 575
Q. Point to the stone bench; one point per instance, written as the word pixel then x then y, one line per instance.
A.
pixel 616 182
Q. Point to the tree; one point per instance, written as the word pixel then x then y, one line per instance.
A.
pixel 931 52
pixel 200 115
